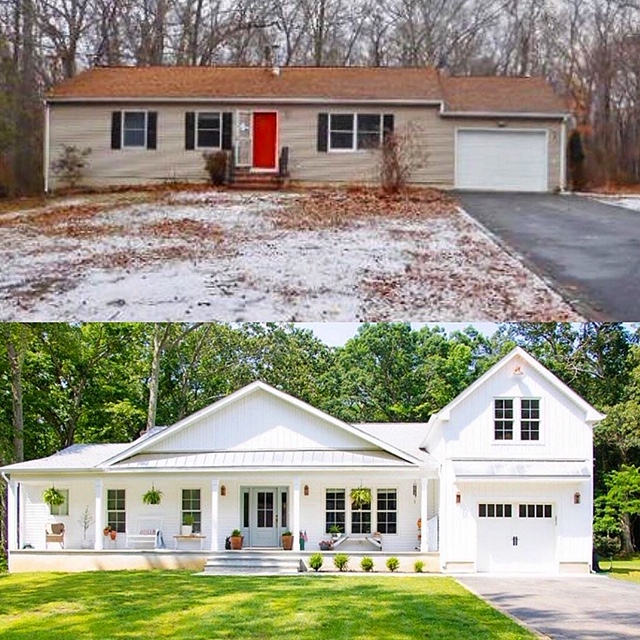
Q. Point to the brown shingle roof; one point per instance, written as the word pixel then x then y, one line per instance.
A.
pixel 501 94
pixel 466 94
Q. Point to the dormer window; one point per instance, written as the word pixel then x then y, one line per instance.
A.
pixel 516 419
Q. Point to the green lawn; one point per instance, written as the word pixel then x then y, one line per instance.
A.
pixel 627 569
pixel 174 604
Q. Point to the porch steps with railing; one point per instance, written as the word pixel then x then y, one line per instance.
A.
pixel 252 562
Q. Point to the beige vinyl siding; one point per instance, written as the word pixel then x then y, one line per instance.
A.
pixel 89 125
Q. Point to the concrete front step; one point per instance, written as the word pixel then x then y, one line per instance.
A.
pixel 239 562
pixel 257 181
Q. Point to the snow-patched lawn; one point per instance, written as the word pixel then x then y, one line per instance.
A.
pixel 628 202
pixel 216 255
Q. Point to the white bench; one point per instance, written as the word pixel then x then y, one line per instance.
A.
pixel 376 541
pixel 144 532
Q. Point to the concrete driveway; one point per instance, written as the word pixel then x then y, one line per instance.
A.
pixel 567 607
pixel 588 250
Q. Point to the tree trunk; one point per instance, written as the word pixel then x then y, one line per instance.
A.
pixel 160 334
pixel 627 538
pixel 15 360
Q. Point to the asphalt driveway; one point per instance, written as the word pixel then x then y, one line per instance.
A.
pixel 588 250
pixel 565 608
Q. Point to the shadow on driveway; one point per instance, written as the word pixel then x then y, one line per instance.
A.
pixel 588 250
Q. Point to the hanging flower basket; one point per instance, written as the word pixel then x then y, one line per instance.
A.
pixel 360 497
pixel 53 497
pixel 153 496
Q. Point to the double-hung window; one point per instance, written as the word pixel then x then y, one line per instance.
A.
pixel 116 510
pixel 361 518
pixel 354 131
pixel 516 419
pixel 335 509
pixel 529 419
pixel 134 129
pixel 387 510
pixel 191 505
pixel 209 132
pixel 503 419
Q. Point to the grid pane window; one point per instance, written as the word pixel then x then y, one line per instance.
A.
pixel 191 505
pixel 265 509
pixel 209 130
pixel 535 511
pixel 341 131
pixel 503 419
pixel 387 510
pixel 486 510
pixel 61 509
pixel 134 129
pixel 369 130
pixel 116 510
pixel 335 509
pixel 361 518
pixel 529 419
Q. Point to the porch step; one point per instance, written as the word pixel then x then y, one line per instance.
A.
pixel 252 562
pixel 246 181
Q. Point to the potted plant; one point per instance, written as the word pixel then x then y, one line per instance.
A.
pixel 287 540
pixel 153 496
pixel 237 539
pixel 110 531
pixel 107 530
pixel 325 545
pixel 360 497
pixel 335 531
pixel 187 525
pixel 85 521
pixel 53 497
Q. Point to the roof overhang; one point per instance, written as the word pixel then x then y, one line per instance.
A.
pixel 522 470
pixel 505 114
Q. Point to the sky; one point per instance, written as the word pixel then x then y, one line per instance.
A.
pixel 335 334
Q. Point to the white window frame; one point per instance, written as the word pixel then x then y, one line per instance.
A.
pixel 352 511
pixel 61 509
pixel 354 145
pixel 517 421
pixel 344 511
pixel 146 129
pixel 197 527
pixel 377 511
pixel 197 129
pixel 117 510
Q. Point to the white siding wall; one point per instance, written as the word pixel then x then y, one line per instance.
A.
pixel 564 434
pixel 260 422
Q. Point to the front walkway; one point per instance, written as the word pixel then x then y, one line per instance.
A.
pixel 593 607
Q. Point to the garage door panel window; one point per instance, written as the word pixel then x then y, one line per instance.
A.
pixel 491 510
pixel 535 511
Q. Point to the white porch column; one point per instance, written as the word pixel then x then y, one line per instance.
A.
pixel 12 516
pixel 295 519
pixel 424 513
pixel 99 517
pixel 22 516
pixel 215 493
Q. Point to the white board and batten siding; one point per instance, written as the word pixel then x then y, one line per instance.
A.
pixel 502 160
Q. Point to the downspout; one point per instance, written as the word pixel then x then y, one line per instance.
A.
pixel 46 146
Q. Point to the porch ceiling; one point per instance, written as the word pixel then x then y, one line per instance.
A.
pixel 261 459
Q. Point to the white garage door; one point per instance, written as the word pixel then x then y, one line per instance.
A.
pixel 501 160
pixel 516 538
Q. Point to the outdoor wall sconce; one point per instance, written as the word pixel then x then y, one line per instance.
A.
pixel 458 498
pixel 576 497
pixel 415 490
pixel 223 491
pixel 306 489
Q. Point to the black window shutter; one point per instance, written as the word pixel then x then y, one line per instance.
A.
pixel 227 131
pixel 387 124
pixel 323 132
pixel 152 129
pixel 116 129
pixel 190 130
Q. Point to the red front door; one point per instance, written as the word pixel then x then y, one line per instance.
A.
pixel 265 140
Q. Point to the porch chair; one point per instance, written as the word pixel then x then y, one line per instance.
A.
pixel 54 533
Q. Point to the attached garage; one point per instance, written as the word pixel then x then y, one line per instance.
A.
pixel 502 160
pixel 516 538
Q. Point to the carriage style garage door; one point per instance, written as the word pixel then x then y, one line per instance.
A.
pixel 516 537
pixel 501 160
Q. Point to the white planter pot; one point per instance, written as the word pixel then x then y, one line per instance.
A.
pixel 186 529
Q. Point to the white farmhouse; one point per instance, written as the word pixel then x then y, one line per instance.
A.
pixel 501 479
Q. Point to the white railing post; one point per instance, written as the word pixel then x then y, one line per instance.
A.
pixel 99 517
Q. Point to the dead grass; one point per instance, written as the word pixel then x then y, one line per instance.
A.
pixel 341 208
